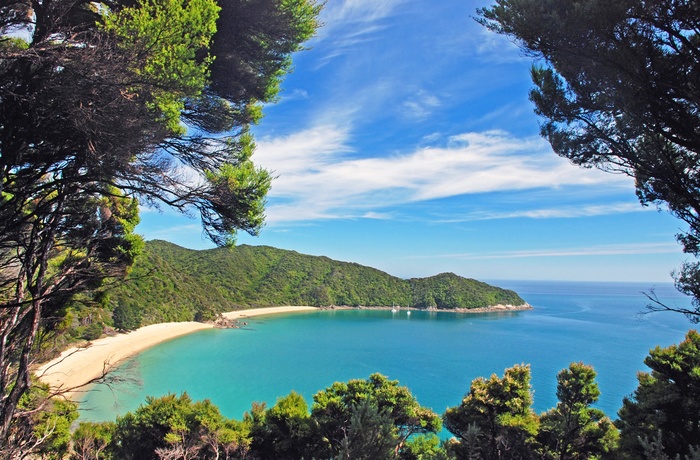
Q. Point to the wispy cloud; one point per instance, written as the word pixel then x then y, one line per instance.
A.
pixel 172 232
pixel 349 23
pixel 554 213
pixel 495 48
pixel 420 105
pixel 365 11
pixel 602 250
pixel 320 177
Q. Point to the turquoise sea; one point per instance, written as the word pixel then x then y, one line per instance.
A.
pixel 435 354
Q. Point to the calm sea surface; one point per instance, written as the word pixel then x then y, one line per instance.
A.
pixel 435 354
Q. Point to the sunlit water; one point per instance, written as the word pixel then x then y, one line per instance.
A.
pixel 435 354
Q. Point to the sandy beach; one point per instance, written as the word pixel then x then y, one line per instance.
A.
pixel 77 366
pixel 74 368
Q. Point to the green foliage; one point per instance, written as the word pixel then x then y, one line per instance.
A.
pixel 253 42
pixel 90 440
pixel 574 430
pixel 373 419
pixel 424 447
pixel 377 404
pixel 241 186
pixel 361 419
pixel 378 419
pixel 127 316
pixel 169 36
pixel 170 283
pixel 370 434
pixel 172 424
pixel 448 291
pixel 665 407
pixel 42 427
pixel 101 104
pixel 497 414
pixel 285 431
pixel 92 332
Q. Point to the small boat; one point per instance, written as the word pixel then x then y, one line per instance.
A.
pixel 408 312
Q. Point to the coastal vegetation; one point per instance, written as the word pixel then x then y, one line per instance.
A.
pixel 377 419
pixel 108 106
pixel 171 283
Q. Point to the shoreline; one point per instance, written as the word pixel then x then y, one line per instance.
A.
pixel 77 367
pixel 492 309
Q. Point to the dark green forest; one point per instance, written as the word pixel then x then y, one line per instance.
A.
pixel 171 283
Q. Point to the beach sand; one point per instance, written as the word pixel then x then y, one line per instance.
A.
pixel 78 366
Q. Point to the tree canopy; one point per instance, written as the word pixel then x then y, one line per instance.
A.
pixel 495 419
pixel 574 430
pixel 373 418
pixel 664 411
pixel 101 105
pixel 365 418
pixel 616 86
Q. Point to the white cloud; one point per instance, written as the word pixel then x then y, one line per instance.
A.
pixel 294 95
pixel 351 23
pixel 554 213
pixel 602 250
pixel 320 179
pixel 378 215
pixel 303 153
pixel 420 105
pixel 495 48
pixel 364 11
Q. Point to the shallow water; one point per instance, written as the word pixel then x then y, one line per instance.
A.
pixel 435 354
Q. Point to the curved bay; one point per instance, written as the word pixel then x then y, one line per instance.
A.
pixel 435 354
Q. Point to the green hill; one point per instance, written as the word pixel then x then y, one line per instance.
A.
pixel 171 283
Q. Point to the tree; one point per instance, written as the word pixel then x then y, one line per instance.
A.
pixel 617 89
pixel 90 440
pixel 48 258
pixel 665 407
pixel 371 434
pixel 424 447
pixel 177 427
pixel 126 316
pixel 102 105
pixel 574 430
pixel 495 419
pixel 42 427
pixel 285 431
pixel 347 412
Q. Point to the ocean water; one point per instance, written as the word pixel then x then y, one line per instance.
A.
pixel 435 354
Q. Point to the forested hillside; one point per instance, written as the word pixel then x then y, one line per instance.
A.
pixel 171 283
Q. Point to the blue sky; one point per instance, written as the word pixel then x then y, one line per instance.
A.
pixel 404 140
